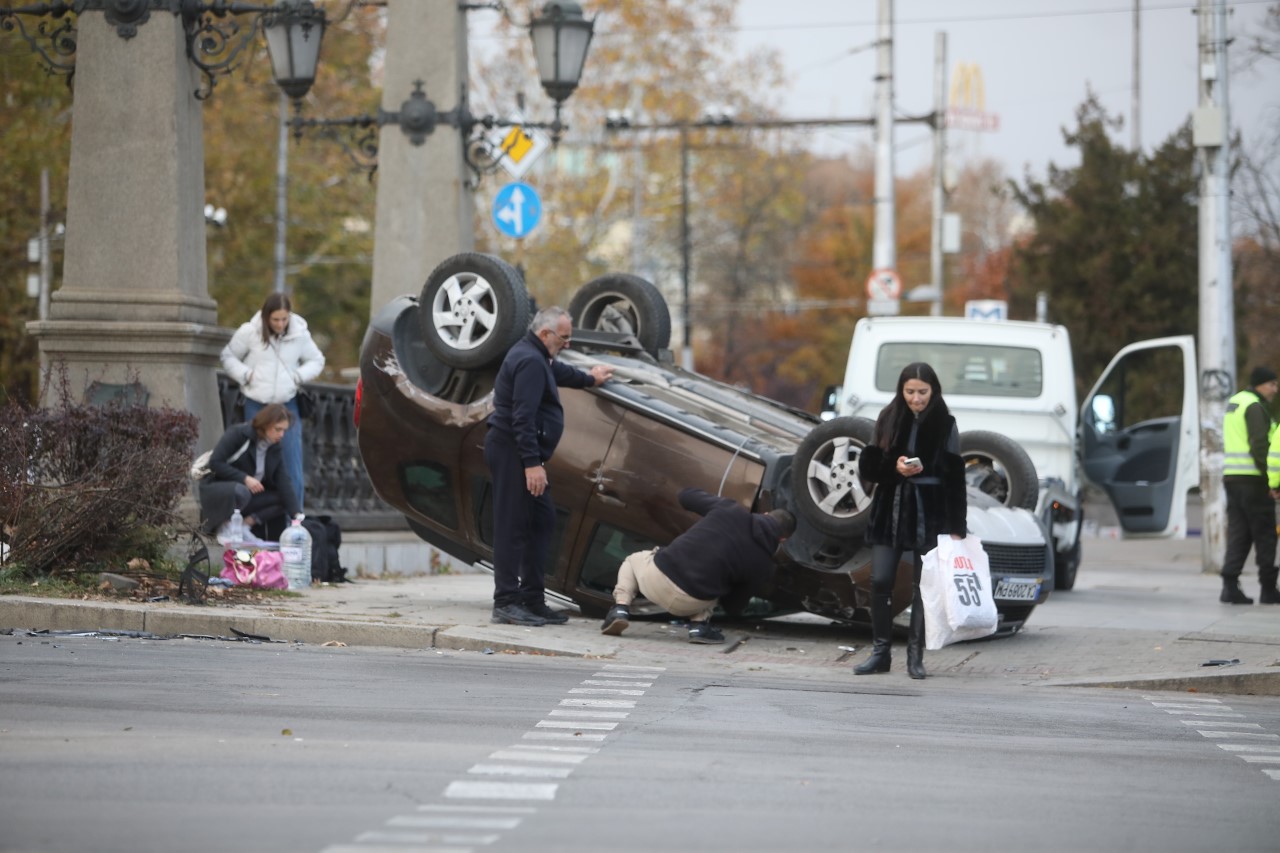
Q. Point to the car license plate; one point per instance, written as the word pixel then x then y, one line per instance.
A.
pixel 1018 589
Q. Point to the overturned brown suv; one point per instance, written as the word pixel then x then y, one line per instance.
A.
pixel 427 368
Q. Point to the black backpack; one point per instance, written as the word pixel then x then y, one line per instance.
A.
pixel 326 538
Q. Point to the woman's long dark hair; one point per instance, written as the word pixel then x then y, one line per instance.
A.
pixel 895 416
pixel 274 303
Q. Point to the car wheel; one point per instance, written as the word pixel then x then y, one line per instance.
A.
pixel 824 477
pixel 626 304
pixel 1064 567
pixel 473 308
pixel 998 466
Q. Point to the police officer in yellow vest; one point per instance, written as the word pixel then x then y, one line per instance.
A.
pixel 1251 508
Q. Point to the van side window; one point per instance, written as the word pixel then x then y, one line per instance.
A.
pixel 975 369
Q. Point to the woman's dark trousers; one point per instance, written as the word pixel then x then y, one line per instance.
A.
pixel 884 569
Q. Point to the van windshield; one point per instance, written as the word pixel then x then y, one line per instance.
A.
pixel 978 369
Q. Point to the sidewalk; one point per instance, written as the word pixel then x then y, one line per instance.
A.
pixel 1142 615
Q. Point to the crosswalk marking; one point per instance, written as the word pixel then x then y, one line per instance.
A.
pixel 1259 759
pixel 598 703
pixel 556 747
pixel 1248 747
pixel 1240 734
pixel 521 770
pixel 523 755
pixel 1215 713
pixel 447 822
pixel 392 848
pixel 545 735
pixel 502 790
pixel 600 682
pixel 1223 725
pixel 606 691
pixel 423 838
pixel 599 715
pixel 582 725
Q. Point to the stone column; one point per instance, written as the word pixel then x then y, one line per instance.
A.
pixel 134 304
pixel 425 210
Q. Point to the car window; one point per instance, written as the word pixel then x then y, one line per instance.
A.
pixel 609 546
pixel 428 490
pixel 982 369
pixel 1146 386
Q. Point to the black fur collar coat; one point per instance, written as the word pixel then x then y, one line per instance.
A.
pixel 911 512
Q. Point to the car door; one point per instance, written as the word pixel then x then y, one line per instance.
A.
pixel 1140 435
pixel 634 505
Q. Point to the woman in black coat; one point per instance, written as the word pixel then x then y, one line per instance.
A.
pixel 912 505
pixel 248 474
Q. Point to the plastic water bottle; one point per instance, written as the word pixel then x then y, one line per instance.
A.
pixel 295 547
pixel 236 530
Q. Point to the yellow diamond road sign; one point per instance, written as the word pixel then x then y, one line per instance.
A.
pixel 520 147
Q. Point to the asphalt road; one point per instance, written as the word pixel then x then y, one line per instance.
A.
pixel 194 745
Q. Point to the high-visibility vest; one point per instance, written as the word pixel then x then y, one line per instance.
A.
pixel 1273 460
pixel 1236 459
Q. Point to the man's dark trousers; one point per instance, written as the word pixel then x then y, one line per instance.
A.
pixel 1251 520
pixel 522 526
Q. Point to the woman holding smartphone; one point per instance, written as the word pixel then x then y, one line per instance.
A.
pixel 914 460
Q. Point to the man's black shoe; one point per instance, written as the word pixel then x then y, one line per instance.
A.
pixel 616 621
pixel 1269 595
pixel 515 614
pixel 1232 594
pixel 703 632
pixel 551 617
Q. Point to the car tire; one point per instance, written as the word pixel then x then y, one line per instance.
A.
pixel 824 477
pixel 1065 566
pixel 473 308
pixel 998 466
pixel 626 304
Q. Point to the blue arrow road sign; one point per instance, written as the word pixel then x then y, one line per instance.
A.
pixel 516 209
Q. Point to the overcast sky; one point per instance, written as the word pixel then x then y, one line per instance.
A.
pixel 1038 57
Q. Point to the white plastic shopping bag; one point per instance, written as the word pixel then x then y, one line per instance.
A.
pixel 955 589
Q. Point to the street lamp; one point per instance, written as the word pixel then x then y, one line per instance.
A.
pixel 561 37
pixel 215 39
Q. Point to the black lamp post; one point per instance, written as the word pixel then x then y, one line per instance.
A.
pixel 561 37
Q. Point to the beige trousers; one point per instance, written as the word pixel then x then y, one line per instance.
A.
pixel 638 573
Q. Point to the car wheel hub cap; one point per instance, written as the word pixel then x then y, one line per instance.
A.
pixel 833 480
pixel 465 312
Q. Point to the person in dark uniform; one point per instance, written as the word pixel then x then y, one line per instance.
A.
pixel 1251 510
pixel 726 557
pixel 524 429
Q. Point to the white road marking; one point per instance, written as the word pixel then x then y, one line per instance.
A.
pixel 393 848
pixel 1274 774
pixel 519 770
pixel 552 757
pixel 448 822
pixel 502 790
pixel 1239 734
pixel 1259 759
pixel 605 691
pixel 599 715
pixel 1223 725
pixel 598 703
pixel 555 747
pixel 582 725
pixel 1156 699
pixel 1247 747
pixel 624 667
pixel 623 675
pixel 423 838
pixel 1182 712
pixel 544 735
pixel 1201 704
pixel 600 682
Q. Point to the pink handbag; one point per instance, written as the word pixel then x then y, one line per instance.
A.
pixel 262 570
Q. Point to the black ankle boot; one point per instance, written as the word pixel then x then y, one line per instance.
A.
pixel 1232 594
pixel 1269 594
pixel 915 639
pixel 881 636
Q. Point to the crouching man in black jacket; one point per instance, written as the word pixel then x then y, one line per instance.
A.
pixel 725 557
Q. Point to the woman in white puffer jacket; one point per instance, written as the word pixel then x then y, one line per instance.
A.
pixel 271 356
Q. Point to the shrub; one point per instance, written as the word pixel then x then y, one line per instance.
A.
pixel 81 484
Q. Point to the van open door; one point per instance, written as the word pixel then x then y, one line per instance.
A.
pixel 1140 435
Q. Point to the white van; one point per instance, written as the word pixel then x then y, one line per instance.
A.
pixel 1011 386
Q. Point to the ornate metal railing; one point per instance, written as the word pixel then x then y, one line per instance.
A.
pixel 337 483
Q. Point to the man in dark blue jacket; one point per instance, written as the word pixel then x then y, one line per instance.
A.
pixel 726 557
pixel 524 429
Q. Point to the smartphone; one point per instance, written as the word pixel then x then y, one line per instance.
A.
pixel 913 462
